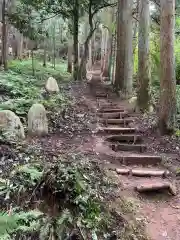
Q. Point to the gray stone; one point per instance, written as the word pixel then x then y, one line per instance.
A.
pixel 11 126
pixel 51 85
pixel 37 120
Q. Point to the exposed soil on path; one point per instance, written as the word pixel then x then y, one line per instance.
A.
pixel 159 211
pixel 76 130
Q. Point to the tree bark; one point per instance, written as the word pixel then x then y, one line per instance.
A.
pixel 135 27
pixel 103 39
pixel 54 46
pixel 32 58
pixel 114 53
pixel 75 38
pixel 20 46
pixel 93 43
pixel 82 68
pixel 4 36
pixel 167 110
pixel 143 96
pixel 124 69
pixel 90 60
pixel 45 54
pixel 107 48
pixel 69 67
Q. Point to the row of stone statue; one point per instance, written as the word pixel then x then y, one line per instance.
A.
pixel 11 126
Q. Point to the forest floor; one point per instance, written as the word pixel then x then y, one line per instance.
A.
pixel 160 211
pixel 78 130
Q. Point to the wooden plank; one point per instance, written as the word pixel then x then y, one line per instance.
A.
pixel 140 159
pixel 122 171
pixel 129 147
pixel 117 130
pixel 158 186
pixel 115 115
pixel 117 121
pixel 111 110
pixel 149 173
pixel 125 138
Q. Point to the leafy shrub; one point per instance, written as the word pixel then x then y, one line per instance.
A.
pixel 20 91
pixel 19 106
pixel 71 198
pixel 41 73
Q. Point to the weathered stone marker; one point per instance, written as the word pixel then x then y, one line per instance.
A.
pixel 37 120
pixel 51 85
pixel 11 126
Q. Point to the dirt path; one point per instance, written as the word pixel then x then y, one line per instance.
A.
pixel 124 151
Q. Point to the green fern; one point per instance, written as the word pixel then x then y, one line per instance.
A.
pixel 22 221
pixel 34 173
pixel 8 222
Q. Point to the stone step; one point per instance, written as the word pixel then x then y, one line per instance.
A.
pixel 114 121
pixel 117 130
pixel 156 186
pixel 140 159
pixel 143 172
pixel 130 138
pixel 115 115
pixel 129 147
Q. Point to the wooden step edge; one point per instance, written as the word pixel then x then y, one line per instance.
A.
pixel 101 95
pixel 122 171
pixel 110 114
pixel 128 147
pixel 141 159
pixel 150 187
pixel 114 115
pixel 117 130
pixel 116 121
pixel 149 173
pixel 143 172
pixel 124 138
pixel 111 110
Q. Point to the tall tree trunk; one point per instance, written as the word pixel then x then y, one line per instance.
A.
pixel 54 46
pixel 32 58
pixel 124 69
pixel 45 54
pixel 90 60
pixel 69 67
pixel 105 72
pixel 143 57
pixel 20 46
pixel 94 48
pixel 4 36
pixel 78 51
pixel 75 38
pixel 82 68
pixel 135 27
pixel 167 110
pixel 114 54
pixel 103 40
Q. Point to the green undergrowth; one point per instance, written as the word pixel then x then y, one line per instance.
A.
pixel 63 200
pixel 57 201
pixel 25 67
pixel 19 89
